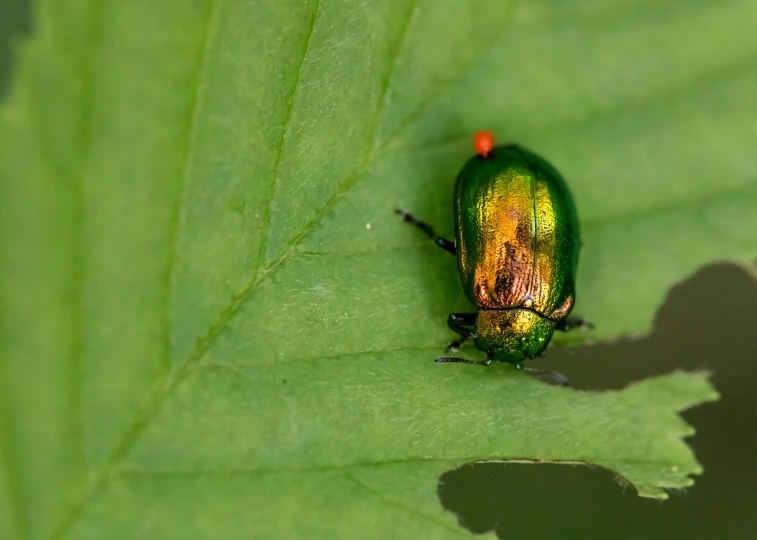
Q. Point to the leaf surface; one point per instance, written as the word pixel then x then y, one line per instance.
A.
pixel 213 324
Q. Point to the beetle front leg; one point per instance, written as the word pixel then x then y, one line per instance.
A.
pixel 571 323
pixel 448 360
pixel 447 245
pixel 461 323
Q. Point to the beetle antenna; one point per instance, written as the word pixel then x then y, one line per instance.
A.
pixel 547 375
pixel 450 360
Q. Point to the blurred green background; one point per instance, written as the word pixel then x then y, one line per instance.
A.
pixel 709 322
pixel 14 23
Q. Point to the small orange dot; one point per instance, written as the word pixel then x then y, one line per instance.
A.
pixel 483 142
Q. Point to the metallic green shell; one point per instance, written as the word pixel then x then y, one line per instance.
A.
pixel 517 246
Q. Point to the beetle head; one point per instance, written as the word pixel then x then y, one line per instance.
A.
pixel 512 335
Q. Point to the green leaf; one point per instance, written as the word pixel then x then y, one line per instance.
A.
pixel 213 326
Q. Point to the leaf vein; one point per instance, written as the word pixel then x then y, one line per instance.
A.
pixel 451 461
pixel 695 204
pixel 447 83
pixel 266 221
pixel 700 203
pixel 386 82
pixel 403 506
pixel 706 79
pixel 179 204
pixel 238 369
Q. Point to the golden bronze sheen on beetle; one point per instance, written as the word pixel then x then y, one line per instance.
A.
pixel 517 243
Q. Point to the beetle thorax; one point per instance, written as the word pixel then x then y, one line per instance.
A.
pixel 512 335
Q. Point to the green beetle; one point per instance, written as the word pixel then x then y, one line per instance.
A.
pixel 517 243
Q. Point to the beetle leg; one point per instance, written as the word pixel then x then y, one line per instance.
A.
pixel 459 322
pixel 448 360
pixel 571 323
pixel 547 375
pixel 447 245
